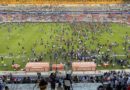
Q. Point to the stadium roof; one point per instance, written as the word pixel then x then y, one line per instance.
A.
pixel 62 1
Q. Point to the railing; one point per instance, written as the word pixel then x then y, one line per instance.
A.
pixel 76 86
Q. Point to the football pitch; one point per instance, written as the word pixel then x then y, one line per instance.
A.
pixel 60 42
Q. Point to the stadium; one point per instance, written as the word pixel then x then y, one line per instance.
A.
pixel 64 45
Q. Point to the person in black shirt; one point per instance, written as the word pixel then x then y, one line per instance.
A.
pixel 42 84
pixel 108 87
pixel 6 88
pixel 52 80
pixel 67 82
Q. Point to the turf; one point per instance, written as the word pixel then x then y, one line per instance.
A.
pixel 17 41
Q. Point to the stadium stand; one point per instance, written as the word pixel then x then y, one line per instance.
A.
pixel 90 14
pixel 112 80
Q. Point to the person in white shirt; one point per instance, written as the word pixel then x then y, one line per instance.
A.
pixel 128 81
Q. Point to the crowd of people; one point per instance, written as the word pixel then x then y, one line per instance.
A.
pixel 78 37
pixel 74 41
pixel 64 16
pixel 109 81
pixel 62 13
pixel 73 48
pixel 88 7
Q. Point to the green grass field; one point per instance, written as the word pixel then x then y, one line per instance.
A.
pixel 19 42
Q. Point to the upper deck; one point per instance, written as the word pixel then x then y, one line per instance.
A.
pixel 63 1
